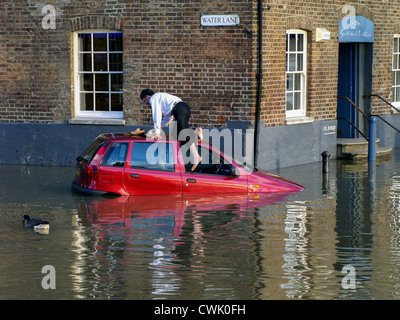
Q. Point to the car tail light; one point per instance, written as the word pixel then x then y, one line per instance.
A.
pixel 91 171
pixel 101 150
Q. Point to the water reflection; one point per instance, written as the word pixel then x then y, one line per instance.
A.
pixel 206 246
pixel 161 236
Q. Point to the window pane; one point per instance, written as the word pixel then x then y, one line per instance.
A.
pixel 116 101
pixel 211 163
pixel 116 81
pixel 102 102
pixel 100 62
pixel 397 94
pixel 297 101
pixel 300 41
pixel 116 155
pixel 84 42
pixel 152 156
pixel 289 101
pixel 115 41
pixel 99 41
pixel 292 42
pixel 102 82
pixel 86 82
pixel 397 74
pixel 289 82
pixel 90 152
pixel 396 45
pixel 292 62
pixel 85 62
pixel 297 81
pixel 115 61
pixel 87 102
pixel 300 62
pixel 396 61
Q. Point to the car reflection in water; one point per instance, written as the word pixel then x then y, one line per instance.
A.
pixel 126 210
pixel 144 233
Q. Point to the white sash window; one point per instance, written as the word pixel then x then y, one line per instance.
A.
pixel 396 72
pixel 98 74
pixel 296 73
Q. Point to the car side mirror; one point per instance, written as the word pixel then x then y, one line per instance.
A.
pixel 235 172
pixel 230 170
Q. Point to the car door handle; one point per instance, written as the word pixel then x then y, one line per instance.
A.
pixel 191 180
pixel 134 175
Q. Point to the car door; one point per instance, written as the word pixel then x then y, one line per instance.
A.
pixel 109 176
pixel 212 175
pixel 151 169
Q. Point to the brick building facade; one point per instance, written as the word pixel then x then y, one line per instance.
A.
pixel 164 47
pixel 70 62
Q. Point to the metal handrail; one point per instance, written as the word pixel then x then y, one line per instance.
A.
pixel 393 127
pixel 371 115
pixel 388 103
pixel 354 105
pixel 354 126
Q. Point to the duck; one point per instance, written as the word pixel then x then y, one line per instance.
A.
pixel 36 223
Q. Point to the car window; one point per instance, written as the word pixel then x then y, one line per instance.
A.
pixel 211 162
pixel 116 155
pixel 90 152
pixel 153 156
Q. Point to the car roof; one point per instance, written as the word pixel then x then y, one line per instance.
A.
pixel 125 136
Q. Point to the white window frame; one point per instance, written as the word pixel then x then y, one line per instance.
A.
pixel 300 57
pixel 77 85
pixel 396 71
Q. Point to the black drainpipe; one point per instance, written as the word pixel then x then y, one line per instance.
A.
pixel 259 81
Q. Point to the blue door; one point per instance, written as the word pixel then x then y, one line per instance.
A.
pixel 354 81
pixel 348 86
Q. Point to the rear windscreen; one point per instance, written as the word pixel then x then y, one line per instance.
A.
pixel 91 151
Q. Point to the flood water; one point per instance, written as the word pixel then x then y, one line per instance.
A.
pixel 338 239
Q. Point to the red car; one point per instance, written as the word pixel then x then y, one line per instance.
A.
pixel 126 164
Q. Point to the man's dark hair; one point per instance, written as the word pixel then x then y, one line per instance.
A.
pixel 146 92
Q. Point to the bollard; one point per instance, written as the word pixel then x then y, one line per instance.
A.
pixel 325 161
pixel 372 139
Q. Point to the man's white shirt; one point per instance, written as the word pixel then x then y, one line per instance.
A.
pixel 162 105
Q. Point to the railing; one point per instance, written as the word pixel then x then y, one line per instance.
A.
pixel 371 132
pixel 354 105
pixel 354 126
pixel 378 96
pixel 372 124
pixel 389 104
pixel 389 124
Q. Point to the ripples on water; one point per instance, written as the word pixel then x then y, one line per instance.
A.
pixel 208 246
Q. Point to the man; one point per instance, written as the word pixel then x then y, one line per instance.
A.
pixel 166 107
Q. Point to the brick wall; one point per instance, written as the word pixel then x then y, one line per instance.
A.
pixel 209 67
pixel 166 49
pixel 323 56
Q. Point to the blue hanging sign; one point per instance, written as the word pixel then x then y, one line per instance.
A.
pixel 356 29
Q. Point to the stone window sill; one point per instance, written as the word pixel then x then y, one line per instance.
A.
pixel 97 121
pixel 299 120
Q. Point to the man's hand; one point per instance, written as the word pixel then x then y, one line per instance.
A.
pixel 157 137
